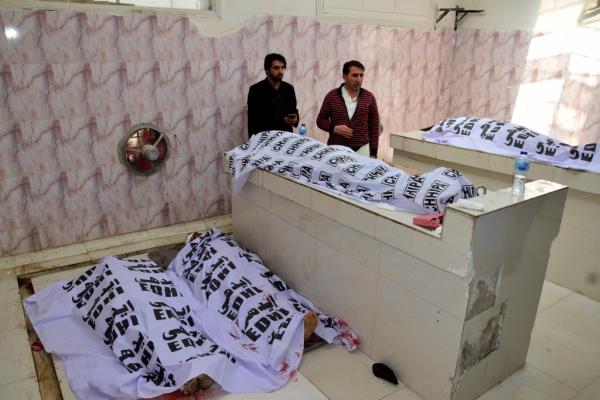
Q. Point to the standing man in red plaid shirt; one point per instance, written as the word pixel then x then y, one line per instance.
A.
pixel 349 113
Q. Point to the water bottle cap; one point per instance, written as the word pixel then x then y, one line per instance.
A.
pixel 303 124
pixel 524 152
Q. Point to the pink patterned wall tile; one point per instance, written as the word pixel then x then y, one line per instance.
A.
pixel 206 121
pixel 417 47
pixel 350 44
pixel 402 40
pixel 100 37
pixel 69 90
pixel 255 38
pixel 114 189
pixel 399 115
pixel 177 125
pixel 330 41
pixel 48 193
pixel 433 46
pixel 106 132
pixel 229 47
pixel 149 191
pixel 123 222
pixel 465 46
pixel 135 37
pixel 280 37
pixel 106 88
pixel 59 232
pixel 234 122
pixel 485 42
pixel 447 40
pixel 26 46
pixel 10 137
pixel 170 33
pixel 432 84
pixel 380 78
pixel 417 73
pixel 4 46
pixel 173 84
pixel 305 34
pixel 13 218
pixel 155 216
pixel 230 82
pixel 400 80
pixel 591 130
pixel 140 88
pixel 462 80
pixel 16 193
pixel 386 114
pixel 82 192
pixel 39 147
pixel 198 48
pixel 27 91
pixel 328 76
pixel 304 79
pixel 506 44
pixel 370 35
pixel 19 241
pixel 75 142
pixel 203 84
pixel 413 112
pixel 61 36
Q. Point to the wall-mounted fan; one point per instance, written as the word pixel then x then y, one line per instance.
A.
pixel 144 149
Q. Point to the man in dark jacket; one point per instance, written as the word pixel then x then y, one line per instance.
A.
pixel 272 102
pixel 349 113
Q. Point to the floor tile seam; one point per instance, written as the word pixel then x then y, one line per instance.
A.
pixel 555 379
pixel 18 381
pixel 313 383
pixel 545 308
pixel 590 384
pixel 395 391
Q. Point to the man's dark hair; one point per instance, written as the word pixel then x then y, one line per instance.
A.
pixel 274 57
pixel 349 64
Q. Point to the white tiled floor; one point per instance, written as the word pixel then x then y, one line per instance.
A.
pixel 563 361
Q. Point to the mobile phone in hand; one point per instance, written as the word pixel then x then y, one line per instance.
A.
pixel 291 116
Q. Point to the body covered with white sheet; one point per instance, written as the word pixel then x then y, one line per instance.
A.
pixel 339 169
pixel 127 329
pixel 508 139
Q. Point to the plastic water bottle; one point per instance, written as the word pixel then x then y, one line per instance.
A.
pixel 302 130
pixel 522 164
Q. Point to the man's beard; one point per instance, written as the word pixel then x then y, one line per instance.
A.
pixel 276 78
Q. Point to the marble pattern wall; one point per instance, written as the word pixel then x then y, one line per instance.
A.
pixel 72 83
pixel 547 81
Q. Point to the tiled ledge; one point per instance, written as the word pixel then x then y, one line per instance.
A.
pixel 449 251
pixel 412 142
pixel 90 251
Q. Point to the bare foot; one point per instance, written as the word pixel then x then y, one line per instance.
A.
pixel 310 323
pixel 201 382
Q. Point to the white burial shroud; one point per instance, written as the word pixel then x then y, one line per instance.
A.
pixel 508 139
pixel 343 171
pixel 127 329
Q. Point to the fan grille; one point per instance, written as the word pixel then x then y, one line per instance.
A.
pixel 144 149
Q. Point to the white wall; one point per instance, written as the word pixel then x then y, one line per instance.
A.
pixel 235 13
pixel 539 15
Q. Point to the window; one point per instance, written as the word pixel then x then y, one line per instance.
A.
pixel 207 8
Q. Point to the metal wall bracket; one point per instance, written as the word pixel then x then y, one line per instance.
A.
pixel 459 14
pixel 589 13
